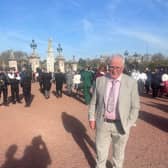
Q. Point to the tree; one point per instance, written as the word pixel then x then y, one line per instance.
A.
pixel 20 56
pixel 5 56
pixel 82 63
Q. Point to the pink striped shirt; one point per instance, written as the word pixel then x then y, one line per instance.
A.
pixel 114 114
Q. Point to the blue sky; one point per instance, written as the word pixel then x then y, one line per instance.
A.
pixel 85 28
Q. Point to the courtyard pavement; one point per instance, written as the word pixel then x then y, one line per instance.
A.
pixel 54 133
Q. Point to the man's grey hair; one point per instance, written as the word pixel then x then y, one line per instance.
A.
pixel 117 56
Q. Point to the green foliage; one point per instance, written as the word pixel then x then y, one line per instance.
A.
pixel 82 63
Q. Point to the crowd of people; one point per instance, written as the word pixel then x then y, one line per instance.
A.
pixel 78 83
pixel 155 82
pixel 15 80
pixel 74 81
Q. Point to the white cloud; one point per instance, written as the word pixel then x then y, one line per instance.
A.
pixel 14 36
pixel 75 3
pixel 87 26
pixel 113 5
pixel 150 38
pixel 161 2
pixel 21 41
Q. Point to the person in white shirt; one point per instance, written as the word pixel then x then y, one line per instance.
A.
pixel 14 80
pixel 76 80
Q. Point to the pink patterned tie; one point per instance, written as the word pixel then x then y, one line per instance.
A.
pixel 111 98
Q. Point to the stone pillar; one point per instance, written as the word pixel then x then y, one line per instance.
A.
pixel 74 65
pixel 61 64
pixel 50 57
pixel 34 61
pixel 12 61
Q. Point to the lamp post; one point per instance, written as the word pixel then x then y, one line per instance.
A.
pixel 127 66
pixel 59 49
pixel 135 55
pixel 73 58
pixel 126 53
pixel 33 45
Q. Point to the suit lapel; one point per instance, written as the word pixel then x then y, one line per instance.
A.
pixel 122 97
pixel 104 90
pixel 122 88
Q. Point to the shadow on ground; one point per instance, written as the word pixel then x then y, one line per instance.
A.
pixel 35 155
pixel 160 106
pixel 77 96
pixel 155 120
pixel 78 131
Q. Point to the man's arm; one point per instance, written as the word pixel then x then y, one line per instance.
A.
pixel 135 105
pixel 92 110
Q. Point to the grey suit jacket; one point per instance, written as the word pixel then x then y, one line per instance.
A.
pixel 128 103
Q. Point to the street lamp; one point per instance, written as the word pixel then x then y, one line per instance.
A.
pixel 135 55
pixel 59 49
pixel 33 45
pixel 73 58
pixel 126 53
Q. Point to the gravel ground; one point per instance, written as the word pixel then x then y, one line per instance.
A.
pixel 54 133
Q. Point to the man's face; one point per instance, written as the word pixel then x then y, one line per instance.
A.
pixel 116 67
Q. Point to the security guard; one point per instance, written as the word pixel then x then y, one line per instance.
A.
pixel 26 78
pixel 4 87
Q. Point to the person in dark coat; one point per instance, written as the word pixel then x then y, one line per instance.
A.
pixel 14 80
pixel 69 82
pixel 59 80
pixel 46 78
pixel 40 80
pixel 4 87
pixel 155 83
pixel 26 78
pixel 102 70
pixel 148 80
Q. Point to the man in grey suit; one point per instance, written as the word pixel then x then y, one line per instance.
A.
pixel 113 110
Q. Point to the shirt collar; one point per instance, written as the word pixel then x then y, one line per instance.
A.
pixel 118 79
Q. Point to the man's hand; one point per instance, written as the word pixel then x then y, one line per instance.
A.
pixel 92 124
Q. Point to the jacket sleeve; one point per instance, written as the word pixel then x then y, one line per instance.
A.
pixel 92 106
pixel 135 105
